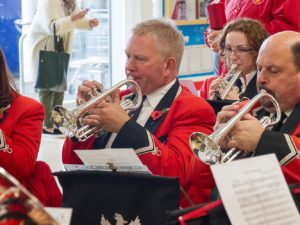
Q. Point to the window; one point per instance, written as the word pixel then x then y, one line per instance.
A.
pixel 91 49
pixel 91 52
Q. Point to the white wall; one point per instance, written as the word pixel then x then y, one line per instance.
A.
pixel 125 14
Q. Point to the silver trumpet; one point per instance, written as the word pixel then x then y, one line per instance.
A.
pixel 70 119
pixel 226 84
pixel 207 148
pixel 13 194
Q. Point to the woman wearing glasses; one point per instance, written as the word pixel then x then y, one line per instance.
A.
pixel 239 45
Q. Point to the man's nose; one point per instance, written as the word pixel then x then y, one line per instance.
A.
pixel 130 65
pixel 261 77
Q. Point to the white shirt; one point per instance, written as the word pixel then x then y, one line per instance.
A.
pixel 273 117
pixel 248 78
pixel 149 104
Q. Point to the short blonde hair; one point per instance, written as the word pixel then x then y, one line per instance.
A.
pixel 167 37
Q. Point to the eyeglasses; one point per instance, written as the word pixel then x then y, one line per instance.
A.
pixel 238 51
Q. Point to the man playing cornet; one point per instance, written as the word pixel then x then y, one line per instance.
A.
pixel 169 114
pixel 278 66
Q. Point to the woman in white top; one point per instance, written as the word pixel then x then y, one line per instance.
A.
pixel 67 16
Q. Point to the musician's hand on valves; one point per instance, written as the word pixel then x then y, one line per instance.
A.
pixel 86 89
pixel 109 116
pixel 214 86
pixel 246 134
pixel 226 114
pixel 233 94
pixel 223 117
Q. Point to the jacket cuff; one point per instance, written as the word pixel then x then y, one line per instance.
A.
pixel 278 143
pixel 133 135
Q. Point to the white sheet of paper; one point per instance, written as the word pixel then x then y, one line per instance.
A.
pixel 61 215
pixel 189 84
pixel 254 191
pixel 116 156
pixel 196 59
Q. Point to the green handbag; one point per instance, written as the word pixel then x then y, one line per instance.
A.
pixel 53 66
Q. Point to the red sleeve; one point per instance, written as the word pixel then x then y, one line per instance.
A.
pixel 204 91
pixel 42 184
pixel 68 154
pixel 286 148
pixel 23 138
pixel 172 157
pixel 285 16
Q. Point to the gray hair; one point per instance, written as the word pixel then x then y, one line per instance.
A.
pixel 167 37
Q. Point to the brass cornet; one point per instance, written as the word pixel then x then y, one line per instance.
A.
pixel 226 84
pixel 17 202
pixel 207 148
pixel 70 120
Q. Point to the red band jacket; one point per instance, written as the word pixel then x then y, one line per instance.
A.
pixel 163 143
pixel 276 15
pixel 20 137
pixel 285 143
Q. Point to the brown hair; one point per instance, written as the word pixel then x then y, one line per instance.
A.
pixel 253 30
pixel 7 85
pixel 167 37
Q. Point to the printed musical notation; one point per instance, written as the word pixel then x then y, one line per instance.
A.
pixel 254 192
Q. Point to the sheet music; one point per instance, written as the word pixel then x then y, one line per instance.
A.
pixel 61 215
pixel 198 54
pixel 254 192
pixel 110 159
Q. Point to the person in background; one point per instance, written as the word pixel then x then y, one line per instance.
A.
pixel 169 115
pixel 275 16
pixel 67 16
pixel 239 45
pixel 21 120
pixel 278 65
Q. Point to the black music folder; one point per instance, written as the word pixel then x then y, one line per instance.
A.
pixel 103 198
pixel 218 104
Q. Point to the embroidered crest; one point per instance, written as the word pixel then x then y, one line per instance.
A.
pixel 119 220
pixel 3 146
pixel 257 2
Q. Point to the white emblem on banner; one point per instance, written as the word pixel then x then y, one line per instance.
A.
pixel 3 146
pixel 119 220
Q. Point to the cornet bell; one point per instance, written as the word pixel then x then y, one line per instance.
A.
pixel 63 118
pixel 70 120
pixel 205 148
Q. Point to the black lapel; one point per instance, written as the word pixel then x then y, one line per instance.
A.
pixel 100 142
pixel 292 121
pixel 166 102
pixel 261 112
pixel 251 90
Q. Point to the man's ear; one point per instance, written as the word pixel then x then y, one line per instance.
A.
pixel 171 66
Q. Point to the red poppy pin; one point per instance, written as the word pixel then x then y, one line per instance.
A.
pixel 155 115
